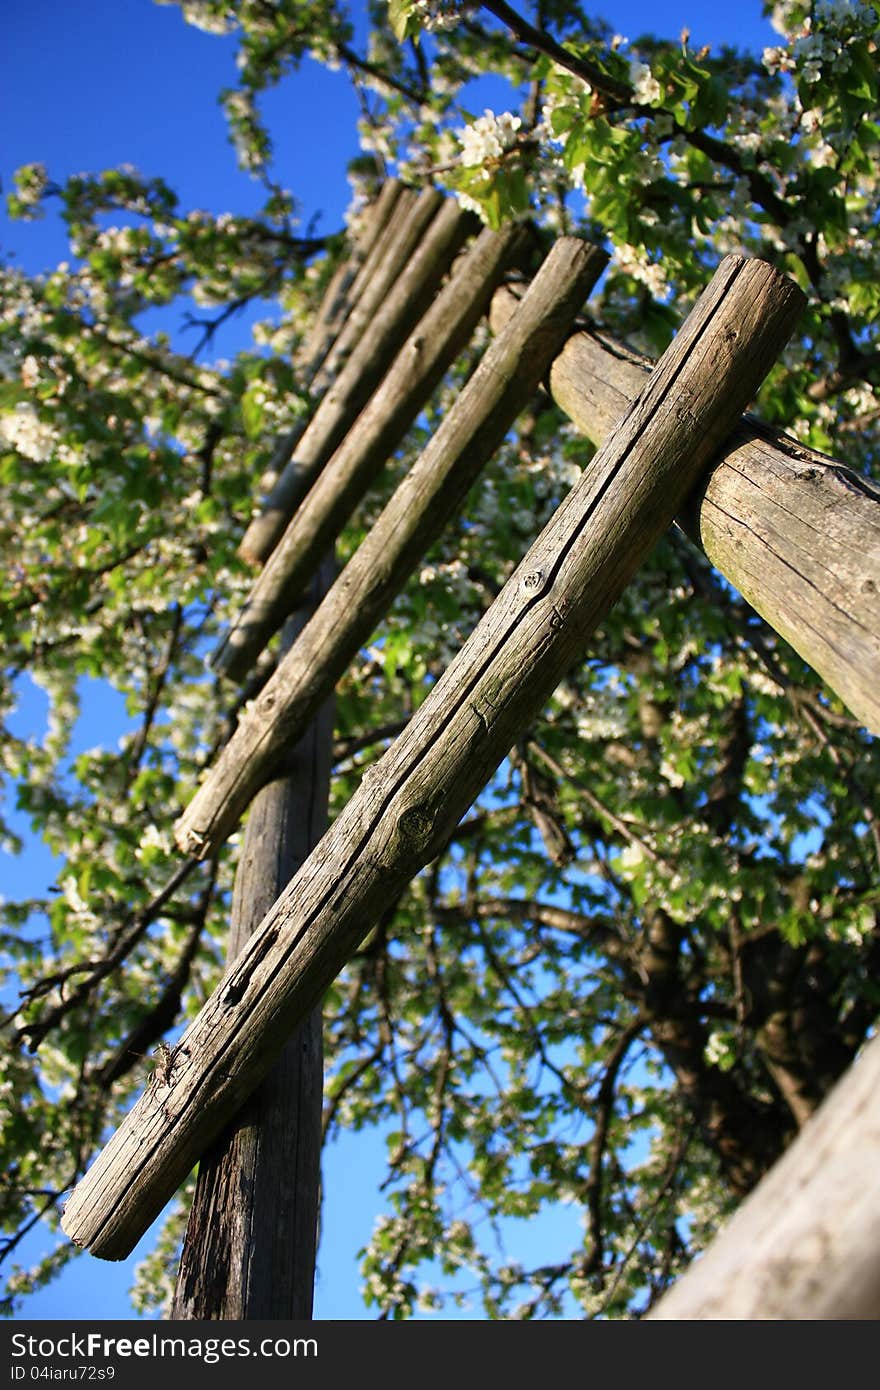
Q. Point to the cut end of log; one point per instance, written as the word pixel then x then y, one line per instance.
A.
pixel 230 660
pixel 80 1227
pixel 97 1249
pixel 249 554
pixel 263 533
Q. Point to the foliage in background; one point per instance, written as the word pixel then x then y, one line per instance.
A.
pixel 652 945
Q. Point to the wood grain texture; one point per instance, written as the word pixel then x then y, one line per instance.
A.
pixel 251 1238
pixel 410 801
pixel 796 532
pixel 442 228
pixel 437 338
pixel 806 1243
pixel 414 518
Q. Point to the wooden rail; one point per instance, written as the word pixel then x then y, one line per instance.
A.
pixel 346 285
pixel 432 346
pixel 796 532
pixel 414 518
pixel 408 804
pixel 806 1243
pixel 439 231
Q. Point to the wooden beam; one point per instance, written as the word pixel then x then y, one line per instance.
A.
pixel 407 804
pixel 413 519
pixel 435 341
pixel 796 532
pixel 401 304
pixel 388 258
pixel 339 297
pixel 346 286
pixel 806 1243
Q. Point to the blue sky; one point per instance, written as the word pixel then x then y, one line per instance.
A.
pixel 88 84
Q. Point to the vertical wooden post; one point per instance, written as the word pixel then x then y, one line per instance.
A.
pixel 251 1239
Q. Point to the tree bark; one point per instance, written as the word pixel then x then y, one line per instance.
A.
pixel 251 1239
pixel 408 804
pixel 797 533
pixel 412 521
pixel 399 310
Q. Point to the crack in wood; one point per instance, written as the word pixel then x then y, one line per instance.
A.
pixel 246 967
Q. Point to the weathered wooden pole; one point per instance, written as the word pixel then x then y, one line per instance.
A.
pixel 390 256
pixel 399 310
pixel 806 1243
pixel 418 367
pixel 408 804
pixel 337 301
pixel 251 1238
pixel 346 285
pixel 413 519
pixel 796 532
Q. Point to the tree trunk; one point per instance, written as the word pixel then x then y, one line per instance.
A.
pixel 251 1239
pixel 408 804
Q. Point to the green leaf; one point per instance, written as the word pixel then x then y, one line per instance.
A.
pixel 404 22
pixel 864 299
pixel 252 409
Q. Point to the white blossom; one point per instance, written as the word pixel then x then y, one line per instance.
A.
pixel 776 59
pixel 631 857
pixel 718 1051
pixel 670 773
pixel 438 15
pixel 468 203
pixel 30 372
pixel 30 183
pixel 634 262
pixel 203 16
pixel 646 88
pixel 488 137
pixel 25 431
pixel 153 838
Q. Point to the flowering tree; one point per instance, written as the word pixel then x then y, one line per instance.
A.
pixel 650 948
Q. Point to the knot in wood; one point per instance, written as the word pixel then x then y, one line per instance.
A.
pixel 531 581
pixel 414 828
